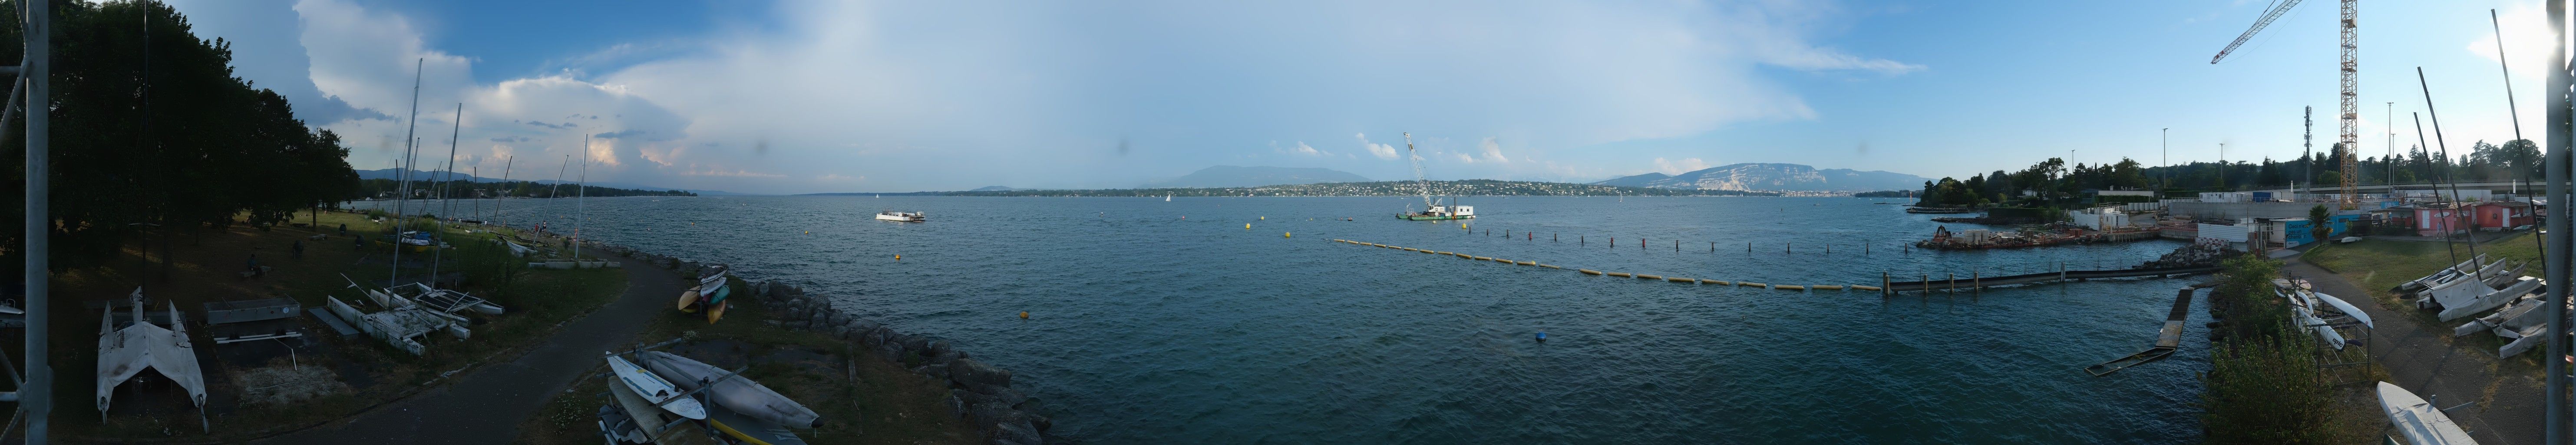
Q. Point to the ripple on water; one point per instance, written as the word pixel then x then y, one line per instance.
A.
pixel 1148 328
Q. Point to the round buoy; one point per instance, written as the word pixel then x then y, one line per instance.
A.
pixel 1542 336
pixel 1247 225
pixel 1265 218
pixel 1024 315
pixel 1285 235
pixel 898 257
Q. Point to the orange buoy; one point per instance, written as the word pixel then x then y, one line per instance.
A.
pixel 1024 315
pixel 898 257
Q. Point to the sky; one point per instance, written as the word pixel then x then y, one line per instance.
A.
pixel 795 96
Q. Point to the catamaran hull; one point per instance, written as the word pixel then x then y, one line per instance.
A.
pixel 738 394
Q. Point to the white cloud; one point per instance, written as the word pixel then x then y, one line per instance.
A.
pixel 1382 151
pixel 837 177
pixel 1493 150
pixel 1686 165
pixel 1032 90
pixel 720 171
pixel 1300 149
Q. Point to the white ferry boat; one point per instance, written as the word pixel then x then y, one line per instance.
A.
pixel 891 215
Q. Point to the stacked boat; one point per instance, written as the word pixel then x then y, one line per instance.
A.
pixel 2320 311
pixel 709 295
pixel 657 390
pixel 400 321
pixel 2496 298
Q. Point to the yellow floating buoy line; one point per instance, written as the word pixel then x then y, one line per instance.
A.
pixel 1797 287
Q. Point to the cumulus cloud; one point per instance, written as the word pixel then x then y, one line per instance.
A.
pixel 1382 151
pixel 1300 149
pixel 1035 89
pixel 1493 150
pixel 1686 165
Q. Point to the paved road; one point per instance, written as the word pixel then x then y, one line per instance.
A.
pixel 485 405
pixel 2419 359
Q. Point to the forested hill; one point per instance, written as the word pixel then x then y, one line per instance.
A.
pixel 2481 161
pixel 386 189
pixel 1473 187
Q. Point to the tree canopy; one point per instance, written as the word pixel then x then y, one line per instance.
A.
pixel 149 125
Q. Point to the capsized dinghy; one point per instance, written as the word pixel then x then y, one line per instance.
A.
pixel 741 395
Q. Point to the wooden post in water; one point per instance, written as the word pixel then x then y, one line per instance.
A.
pixel 1677 245
pixel 1883 289
pixel 1927 285
pixel 1976 285
pixel 1789 247
pixel 1954 283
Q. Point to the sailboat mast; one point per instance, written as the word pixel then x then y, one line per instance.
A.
pixel 446 202
pixel 505 182
pixel 402 178
pixel 1417 171
pixel 580 191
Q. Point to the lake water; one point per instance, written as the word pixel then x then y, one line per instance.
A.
pixel 1169 322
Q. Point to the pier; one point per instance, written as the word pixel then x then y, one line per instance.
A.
pixel 1954 282
pixel 2167 340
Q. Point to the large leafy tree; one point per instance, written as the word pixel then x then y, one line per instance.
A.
pixel 149 125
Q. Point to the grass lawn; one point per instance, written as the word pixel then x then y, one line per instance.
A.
pixel 863 399
pixel 363 372
pixel 2378 266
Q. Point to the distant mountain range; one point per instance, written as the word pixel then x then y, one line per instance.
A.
pixel 1774 177
pixel 426 175
pixel 1234 176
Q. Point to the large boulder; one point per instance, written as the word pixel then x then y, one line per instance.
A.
pixel 937 348
pixel 968 372
pixel 1017 433
pixel 915 343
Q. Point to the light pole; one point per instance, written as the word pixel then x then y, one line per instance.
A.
pixel 2222 166
pixel 2164 154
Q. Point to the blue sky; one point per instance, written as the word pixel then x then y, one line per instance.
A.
pixel 812 96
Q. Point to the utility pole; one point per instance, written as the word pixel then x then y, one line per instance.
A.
pixel 2164 154
pixel 2555 260
pixel 35 397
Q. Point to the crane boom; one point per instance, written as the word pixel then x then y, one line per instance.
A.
pixel 2350 111
pixel 2268 16
pixel 1417 170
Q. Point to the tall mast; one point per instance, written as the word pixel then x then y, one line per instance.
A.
pixel 402 179
pixel 1417 171
pixel 446 203
pixel 580 191
pixel 505 182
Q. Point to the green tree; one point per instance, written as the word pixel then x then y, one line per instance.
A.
pixel 2318 220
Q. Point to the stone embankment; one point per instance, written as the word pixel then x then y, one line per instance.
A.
pixel 977 391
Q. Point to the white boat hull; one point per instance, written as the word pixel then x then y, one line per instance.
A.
pixel 2420 421
pixel 656 390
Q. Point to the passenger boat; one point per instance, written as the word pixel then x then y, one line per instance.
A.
pixel 891 215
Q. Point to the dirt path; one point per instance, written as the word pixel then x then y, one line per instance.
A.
pixel 2421 359
pixel 487 404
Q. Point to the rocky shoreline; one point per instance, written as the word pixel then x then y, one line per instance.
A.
pixel 978 392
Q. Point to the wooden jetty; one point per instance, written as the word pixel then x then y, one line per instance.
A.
pixel 2167 340
pixel 1973 281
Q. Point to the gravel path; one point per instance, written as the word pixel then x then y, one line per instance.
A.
pixel 486 404
pixel 2422 359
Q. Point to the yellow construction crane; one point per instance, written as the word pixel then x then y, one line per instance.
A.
pixel 2351 110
